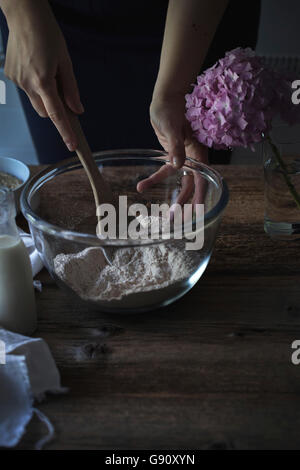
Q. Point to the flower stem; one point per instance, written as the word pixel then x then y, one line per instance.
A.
pixel 284 168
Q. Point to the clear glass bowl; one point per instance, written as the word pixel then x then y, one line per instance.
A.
pixel 59 207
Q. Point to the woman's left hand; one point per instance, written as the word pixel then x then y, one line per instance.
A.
pixel 167 114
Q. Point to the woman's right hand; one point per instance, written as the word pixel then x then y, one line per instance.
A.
pixel 37 60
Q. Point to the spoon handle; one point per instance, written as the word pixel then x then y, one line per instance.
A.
pixel 101 190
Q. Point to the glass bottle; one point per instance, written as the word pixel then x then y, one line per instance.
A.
pixel 17 300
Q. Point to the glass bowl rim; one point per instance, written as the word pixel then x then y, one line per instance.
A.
pixel 73 164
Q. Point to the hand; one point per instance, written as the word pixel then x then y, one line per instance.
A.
pixel 167 115
pixel 193 186
pixel 37 60
pixel 175 135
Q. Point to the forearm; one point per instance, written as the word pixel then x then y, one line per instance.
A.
pixel 190 27
pixel 23 11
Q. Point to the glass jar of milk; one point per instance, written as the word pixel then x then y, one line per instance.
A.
pixel 17 300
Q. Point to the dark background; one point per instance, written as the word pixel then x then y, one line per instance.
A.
pixel 115 47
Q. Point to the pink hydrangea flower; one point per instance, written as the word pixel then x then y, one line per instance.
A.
pixel 233 102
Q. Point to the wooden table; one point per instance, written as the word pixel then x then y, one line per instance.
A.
pixel 212 370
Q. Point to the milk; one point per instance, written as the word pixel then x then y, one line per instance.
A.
pixel 17 301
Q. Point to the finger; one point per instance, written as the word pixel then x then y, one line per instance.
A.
pixel 200 189
pixel 186 192
pixel 69 87
pixel 37 104
pixel 176 148
pixel 57 113
pixel 157 177
pixel 161 137
pixel 187 189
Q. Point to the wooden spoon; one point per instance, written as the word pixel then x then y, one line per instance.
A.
pixel 101 190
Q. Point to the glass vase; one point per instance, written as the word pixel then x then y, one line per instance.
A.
pixel 281 155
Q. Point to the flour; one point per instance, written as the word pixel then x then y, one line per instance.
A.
pixel 138 277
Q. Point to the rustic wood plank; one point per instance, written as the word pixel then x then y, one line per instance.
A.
pixel 212 370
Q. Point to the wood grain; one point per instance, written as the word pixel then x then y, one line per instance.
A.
pixel 212 370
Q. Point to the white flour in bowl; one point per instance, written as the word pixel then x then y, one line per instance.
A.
pixel 135 271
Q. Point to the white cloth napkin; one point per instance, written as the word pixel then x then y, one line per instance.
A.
pixel 36 262
pixel 27 372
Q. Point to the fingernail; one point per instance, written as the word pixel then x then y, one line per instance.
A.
pixel 70 146
pixel 139 188
pixel 176 162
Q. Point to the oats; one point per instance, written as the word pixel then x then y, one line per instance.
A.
pixel 9 181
